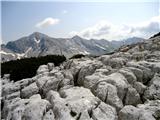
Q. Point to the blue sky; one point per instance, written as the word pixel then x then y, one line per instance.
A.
pixel 104 19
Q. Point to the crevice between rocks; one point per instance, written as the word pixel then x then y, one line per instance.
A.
pixel 78 116
pixel 73 114
pixel 124 98
pixel 90 113
pixel 75 77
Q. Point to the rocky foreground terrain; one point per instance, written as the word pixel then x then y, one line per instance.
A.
pixel 121 86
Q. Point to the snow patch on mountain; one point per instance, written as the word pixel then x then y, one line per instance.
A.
pixel 5 53
pixel 19 56
pixel 87 53
pixel 29 49
pixel 37 40
pixel 84 52
pixel 100 46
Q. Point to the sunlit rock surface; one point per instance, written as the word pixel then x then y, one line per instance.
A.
pixel 121 86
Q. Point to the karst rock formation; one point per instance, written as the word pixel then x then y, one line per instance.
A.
pixel 124 85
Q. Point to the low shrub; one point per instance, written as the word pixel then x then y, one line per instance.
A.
pixel 27 67
pixel 77 56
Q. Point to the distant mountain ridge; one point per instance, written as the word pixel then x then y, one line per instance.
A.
pixel 39 44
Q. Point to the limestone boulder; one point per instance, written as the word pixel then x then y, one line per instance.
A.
pixel 118 80
pixel 129 75
pixel 29 90
pixel 153 91
pixel 108 93
pixel 88 70
pixel 140 87
pixel 42 69
pixel 132 97
pixel 129 112
pixel 104 112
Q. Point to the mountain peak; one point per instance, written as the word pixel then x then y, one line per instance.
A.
pixel 36 33
pixel 76 37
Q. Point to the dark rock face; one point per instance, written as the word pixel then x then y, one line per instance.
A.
pixel 121 86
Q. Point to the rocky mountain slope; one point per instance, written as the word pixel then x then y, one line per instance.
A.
pixel 121 86
pixel 38 44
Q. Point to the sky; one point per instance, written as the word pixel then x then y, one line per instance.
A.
pixel 103 19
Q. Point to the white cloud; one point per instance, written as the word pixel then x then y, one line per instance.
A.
pixel 110 31
pixel 64 11
pixel 47 22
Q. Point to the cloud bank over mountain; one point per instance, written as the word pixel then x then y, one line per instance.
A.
pixel 107 30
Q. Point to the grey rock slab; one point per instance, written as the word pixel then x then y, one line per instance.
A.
pixel 29 90
pixel 153 91
pixel 118 80
pixel 49 115
pixel 104 112
pixel 131 78
pixel 42 69
pixel 108 93
pixel 132 97
pixel 129 112
pixel 140 87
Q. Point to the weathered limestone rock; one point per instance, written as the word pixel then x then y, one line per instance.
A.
pixel 119 81
pixel 29 90
pixel 132 97
pixel 150 110
pixel 125 83
pixel 137 72
pixel 116 62
pixel 131 78
pixel 51 84
pixel 5 79
pixel 42 69
pixel 88 70
pixel 47 83
pixel 78 102
pixel 50 66
pixel 104 112
pixel 146 111
pixel 10 88
pixel 91 80
pixel 153 91
pixel 49 115
pixel 24 82
pixel 31 109
pixel 108 93
pixel 147 73
pixel 53 71
pixel 35 109
pixel 13 95
pixel 139 87
pixel 156 67
pixel 129 112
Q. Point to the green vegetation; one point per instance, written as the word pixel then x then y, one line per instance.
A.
pixel 158 34
pixel 27 67
pixel 77 56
